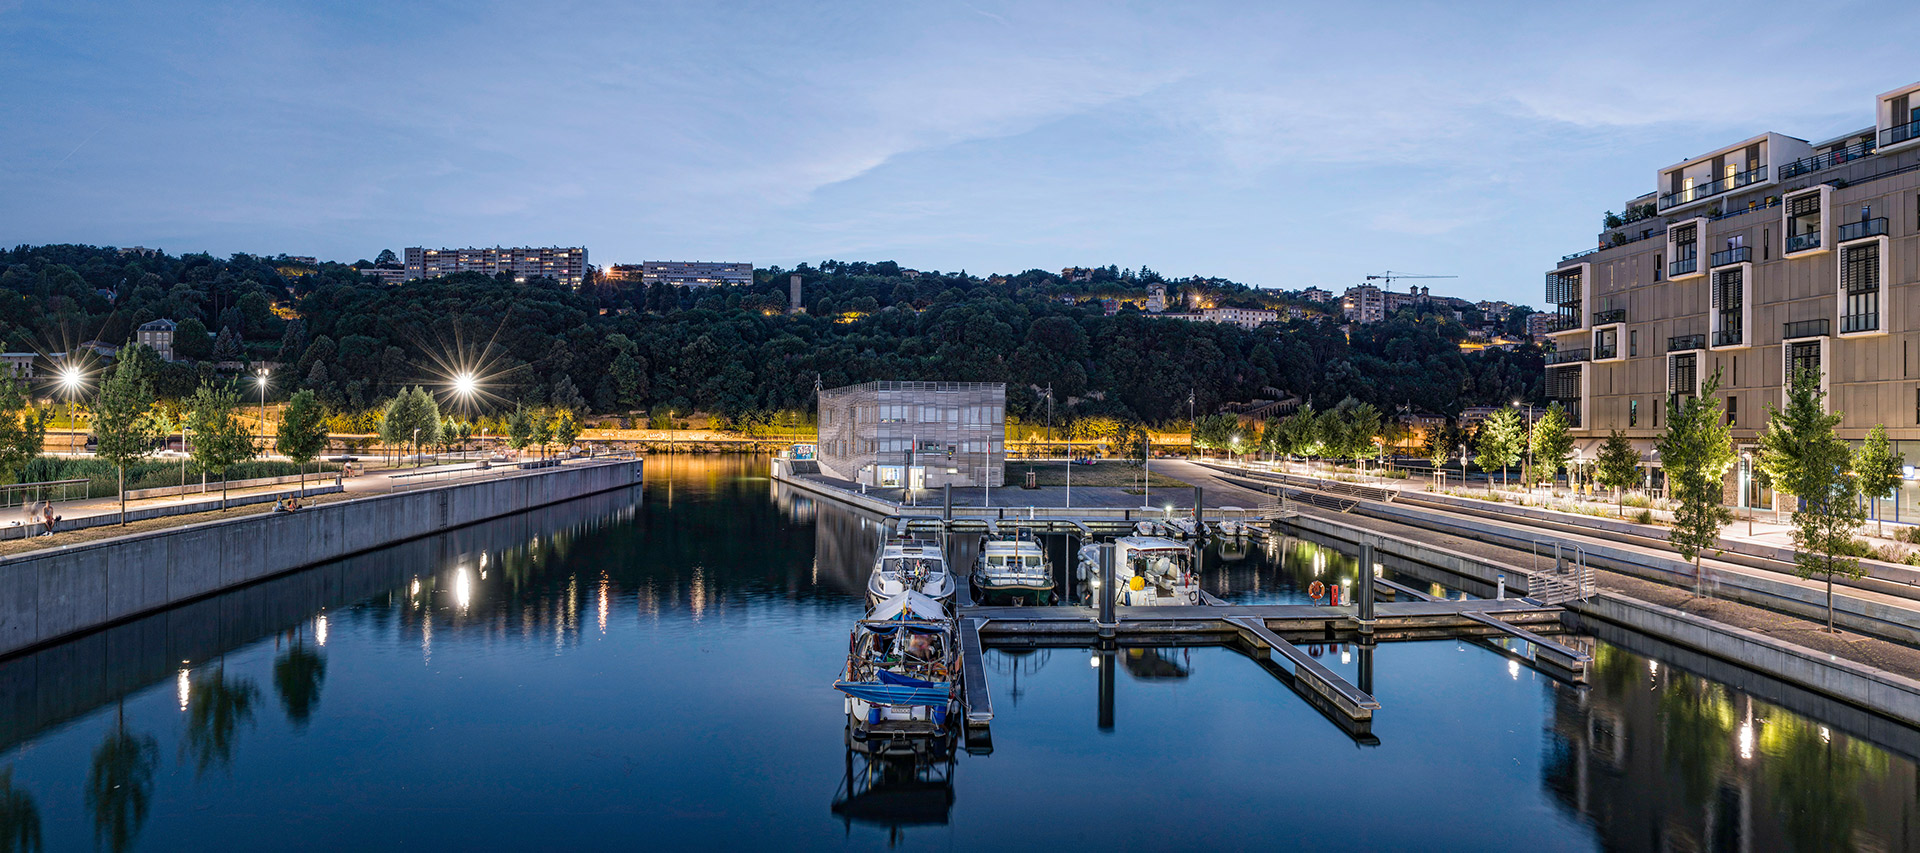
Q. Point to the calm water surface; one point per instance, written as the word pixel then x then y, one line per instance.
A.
pixel 652 668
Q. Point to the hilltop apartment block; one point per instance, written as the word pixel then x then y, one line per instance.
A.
pixel 565 264
pixel 1763 257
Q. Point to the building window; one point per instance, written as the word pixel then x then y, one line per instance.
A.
pixel 1733 411
pixel 1860 283
pixel 1728 301
pixel 1657 269
pixel 1683 375
pixel 1801 357
pixel 1633 412
pixel 1633 342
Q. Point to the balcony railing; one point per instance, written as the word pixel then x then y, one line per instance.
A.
pixel 1866 228
pixel 1806 329
pixel 1828 160
pixel 1803 242
pixel 1567 356
pixel 1561 323
pixel 1714 188
pixel 1682 343
pixel 1679 268
pixel 1726 338
pixel 1851 323
pixel 1606 351
pixel 1735 255
pixel 1900 133
pixel 1616 315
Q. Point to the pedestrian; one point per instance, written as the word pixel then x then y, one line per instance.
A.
pixel 49 519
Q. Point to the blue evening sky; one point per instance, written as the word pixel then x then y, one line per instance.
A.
pixel 1279 144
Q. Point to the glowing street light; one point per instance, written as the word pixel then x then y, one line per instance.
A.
pixel 261 378
pixel 71 381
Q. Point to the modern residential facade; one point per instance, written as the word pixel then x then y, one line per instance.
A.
pixel 689 273
pixel 1758 259
pixel 1364 303
pixel 567 265
pixel 384 275
pixel 916 435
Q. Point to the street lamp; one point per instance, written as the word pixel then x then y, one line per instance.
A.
pixel 1526 471
pixel 1746 473
pixel 263 403
pixel 70 382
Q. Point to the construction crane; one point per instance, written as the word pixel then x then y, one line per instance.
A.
pixel 1389 276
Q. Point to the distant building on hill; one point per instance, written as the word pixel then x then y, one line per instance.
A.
pixel 918 435
pixel 158 336
pixel 1156 298
pixel 565 264
pixel 1317 294
pixel 385 275
pixel 691 273
pixel 1540 324
pixel 1077 274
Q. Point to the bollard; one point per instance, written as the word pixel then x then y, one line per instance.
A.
pixel 1106 590
pixel 947 496
pixel 1364 595
pixel 1198 501
pixel 1500 593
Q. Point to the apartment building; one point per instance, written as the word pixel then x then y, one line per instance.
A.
pixel 158 336
pixel 1317 294
pixel 1763 257
pixel 567 265
pixel 1364 303
pixel 693 273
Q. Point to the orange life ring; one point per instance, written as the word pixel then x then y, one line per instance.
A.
pixel 1316 590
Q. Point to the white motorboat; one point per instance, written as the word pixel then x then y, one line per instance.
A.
pixel 1012 570
pixel 905 564
pixel 902 672
pixel 1147 570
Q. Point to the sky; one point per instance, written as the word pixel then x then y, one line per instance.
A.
pixel 1283 145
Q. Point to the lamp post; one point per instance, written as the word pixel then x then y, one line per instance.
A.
pixel 70 383
pixel 1746 474
pixel 262 377
pixel 464 386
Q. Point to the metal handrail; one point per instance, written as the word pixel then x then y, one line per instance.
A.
pixel 1701 192
pixel 1900 133
pixel 1803 242
pixel 1567 356
pixel 1862 229
pixel 1614 315
pixel 1806 329
pixel 1817 162
pixel 1683 267
pixel 1735 255
pixel 1682 343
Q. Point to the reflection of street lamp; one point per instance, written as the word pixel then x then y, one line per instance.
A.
pixel 70 382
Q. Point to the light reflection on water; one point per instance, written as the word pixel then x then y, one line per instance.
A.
pixel 453 693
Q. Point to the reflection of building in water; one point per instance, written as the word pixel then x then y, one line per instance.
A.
pixel 845 541
pixel 913 787
pixel 1662 759
pixel 1154 664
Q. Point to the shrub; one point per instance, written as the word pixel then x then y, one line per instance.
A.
pixel 1639 501
pixel 1644 516
pixel 150 474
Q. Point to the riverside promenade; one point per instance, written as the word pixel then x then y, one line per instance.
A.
pixel 51 593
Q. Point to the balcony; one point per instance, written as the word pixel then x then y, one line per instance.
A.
pixel 1862 229
pixel 1561 323
pixel 1803 242
pixel 1567 356
pixel 1680 268
pixel 1617 315
pixel 1700 192
pixel 1735 255
pixel 1727 338
pixel 1806 329
pixel 1851 323
pixel 1900 133
pixel 1809 165
pixel 1682 343
pixel 1603 352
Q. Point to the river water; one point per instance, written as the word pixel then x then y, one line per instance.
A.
pixel 652 668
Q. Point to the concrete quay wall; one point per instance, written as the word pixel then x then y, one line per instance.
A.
pixel 60 592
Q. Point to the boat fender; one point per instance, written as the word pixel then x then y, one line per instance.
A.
pixel 1136 583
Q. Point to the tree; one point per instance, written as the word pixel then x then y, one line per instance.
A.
pixel 564 428
pixel 23 429
pixel 519 428
pixel 191 341
pixel 1696 452
pixel 386 256
pixel 220 438
pixel 1499 443
pixel 1803 456
pixel 123 428
pixel 411 418
pixel 1618 468
pixel 566 396
pixel 542 433
pixel 1877 467
pixel 1438 447
pixel 630 378
pixel 1552 443
pixel 303 432
pixel 226 347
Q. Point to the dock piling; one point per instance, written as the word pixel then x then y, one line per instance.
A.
pixel 1105 592
pixel 1364 599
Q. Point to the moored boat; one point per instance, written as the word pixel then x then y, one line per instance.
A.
pixel 902 670
pixel 1012 570
pixel 1147 570
pixel 905 564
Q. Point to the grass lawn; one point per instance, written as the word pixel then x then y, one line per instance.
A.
pixel 1101 473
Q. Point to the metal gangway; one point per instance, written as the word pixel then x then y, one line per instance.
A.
pixel 1559 573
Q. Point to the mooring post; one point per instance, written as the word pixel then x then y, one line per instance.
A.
pixel 1500 592
pixel 1106 591
pixel 1198 495
pixel 946 495
pixel 1365 597
pixel 1365 650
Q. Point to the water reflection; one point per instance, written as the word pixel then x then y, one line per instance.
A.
pixel 19 818
pixel 1654 756
pixel 120 784
pixel 897 790
pixel 297 675
pixel 216 709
